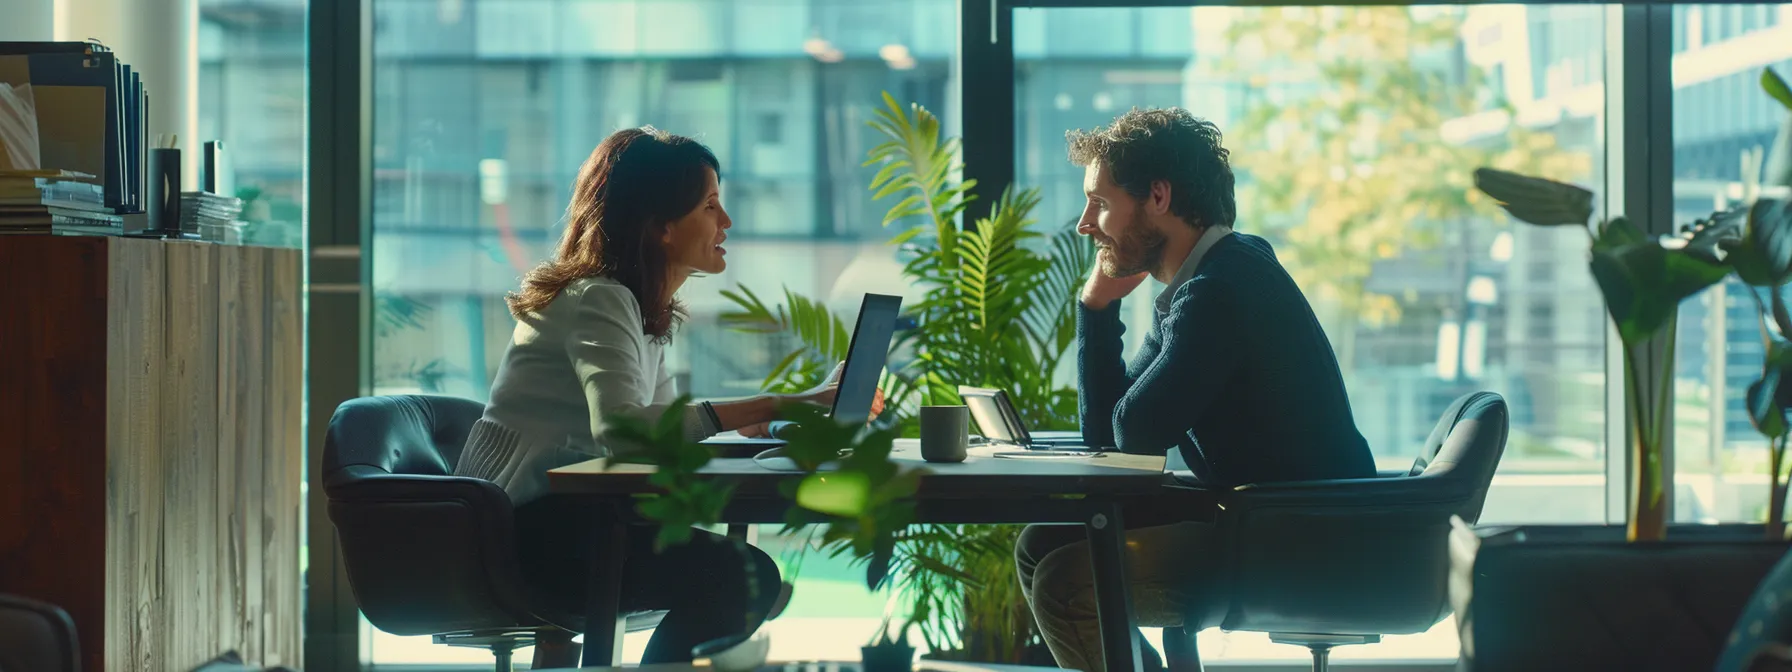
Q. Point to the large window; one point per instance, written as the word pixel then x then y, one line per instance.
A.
pixel 252 97
pixel 1721 119
pixel 1353 132
pixel 483 112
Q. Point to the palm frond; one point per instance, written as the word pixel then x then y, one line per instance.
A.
pixel 1051 318
pixel 753 315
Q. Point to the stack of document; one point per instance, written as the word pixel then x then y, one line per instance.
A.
pixel 31 202
pixel 208 214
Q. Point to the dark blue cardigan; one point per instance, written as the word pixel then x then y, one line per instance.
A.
pixel 1239 373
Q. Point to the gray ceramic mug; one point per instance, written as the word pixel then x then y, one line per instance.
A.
pixel 945 433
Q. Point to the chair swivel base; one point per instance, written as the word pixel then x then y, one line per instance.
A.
pixel 501 642
pixel 1321 644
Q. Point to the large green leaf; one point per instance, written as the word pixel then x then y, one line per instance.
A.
pixel 686 500
pixel 1776 87
pixel 1536 200
pixel 1765 256
pixel 1766 396
pixel 1643 282
pixel 1777 169
pixel 1713 239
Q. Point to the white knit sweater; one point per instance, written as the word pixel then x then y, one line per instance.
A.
pixel 580 360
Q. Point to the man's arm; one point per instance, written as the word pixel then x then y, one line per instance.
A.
pixel 1100 370
pixel 1198 356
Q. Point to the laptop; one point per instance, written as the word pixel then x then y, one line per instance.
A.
pixel 1002 425
pixel 866 356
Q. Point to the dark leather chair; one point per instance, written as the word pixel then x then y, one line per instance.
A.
pixel 1323 564
pixel 1760 637
pixel 37 636
pixel 429 553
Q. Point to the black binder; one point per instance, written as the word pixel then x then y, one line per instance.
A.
pixel 90 64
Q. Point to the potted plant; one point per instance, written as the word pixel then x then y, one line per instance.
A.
pixel 996 313
pixel 850 487
pixel 1651 595
pixel 886 653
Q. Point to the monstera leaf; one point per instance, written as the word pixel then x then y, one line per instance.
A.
pixel 1767 396
pixel 1713 238
pixel 1536 200
pixel 1643 281
pixel 1763 256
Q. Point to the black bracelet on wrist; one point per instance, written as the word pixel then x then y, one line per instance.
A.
pixel 714 420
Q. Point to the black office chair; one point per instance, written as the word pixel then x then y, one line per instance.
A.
pixel 1323 564
pixel 1759 639
pixel 429 553
pixel 37 636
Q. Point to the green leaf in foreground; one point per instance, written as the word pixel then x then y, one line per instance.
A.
pixel 1536 200
pixel 1643 282
pixel 1776 87
pixel 687 501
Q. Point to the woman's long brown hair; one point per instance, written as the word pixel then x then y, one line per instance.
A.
pixel 635 183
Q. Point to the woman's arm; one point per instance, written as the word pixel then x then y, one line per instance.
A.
pixel 756 410
pixel 606 347
pixel 726 415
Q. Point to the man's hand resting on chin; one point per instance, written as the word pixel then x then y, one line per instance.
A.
pixel 1100 290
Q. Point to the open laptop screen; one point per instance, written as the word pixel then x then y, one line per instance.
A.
pixel 994 416
pixel 866 357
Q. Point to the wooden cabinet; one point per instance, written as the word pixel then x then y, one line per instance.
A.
pixel 150 445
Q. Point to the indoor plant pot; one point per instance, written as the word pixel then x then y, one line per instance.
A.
pixel 887 657
pixel 1580 597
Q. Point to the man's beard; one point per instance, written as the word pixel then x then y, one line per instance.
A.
pixel 1138 250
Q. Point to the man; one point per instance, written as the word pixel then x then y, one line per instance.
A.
pixel 1235 371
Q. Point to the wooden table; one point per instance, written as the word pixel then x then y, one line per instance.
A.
pixel 1094 492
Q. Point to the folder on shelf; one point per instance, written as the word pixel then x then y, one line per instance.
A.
pixel 91 116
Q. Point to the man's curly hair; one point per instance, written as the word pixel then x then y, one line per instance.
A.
pixel 1144 146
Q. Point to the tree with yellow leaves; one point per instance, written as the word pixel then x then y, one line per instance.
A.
pixel 1341 149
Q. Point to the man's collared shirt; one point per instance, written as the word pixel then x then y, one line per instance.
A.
pixel 1208 239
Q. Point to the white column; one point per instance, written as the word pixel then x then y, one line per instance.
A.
pixel 158 38
pixel 28 20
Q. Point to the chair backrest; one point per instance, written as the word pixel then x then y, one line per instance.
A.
pixel 426 552
pixel 413 434
pixel 1362 556
pixel 36 636
pixel 1465 447
pixel 1759 638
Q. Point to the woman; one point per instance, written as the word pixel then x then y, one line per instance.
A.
pixel 592 326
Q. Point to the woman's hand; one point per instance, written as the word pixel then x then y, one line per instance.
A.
pixel 824 394
pixel 821 395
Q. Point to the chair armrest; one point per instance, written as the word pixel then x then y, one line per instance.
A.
pixel 366 484
pixel 1367 492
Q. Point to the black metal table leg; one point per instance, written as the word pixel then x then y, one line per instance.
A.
pixel 1113 598
pixel 604 622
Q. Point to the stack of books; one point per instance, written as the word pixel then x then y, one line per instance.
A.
pixel 210 215
pixel 54 202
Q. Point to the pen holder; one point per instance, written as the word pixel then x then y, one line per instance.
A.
pixel 163 205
